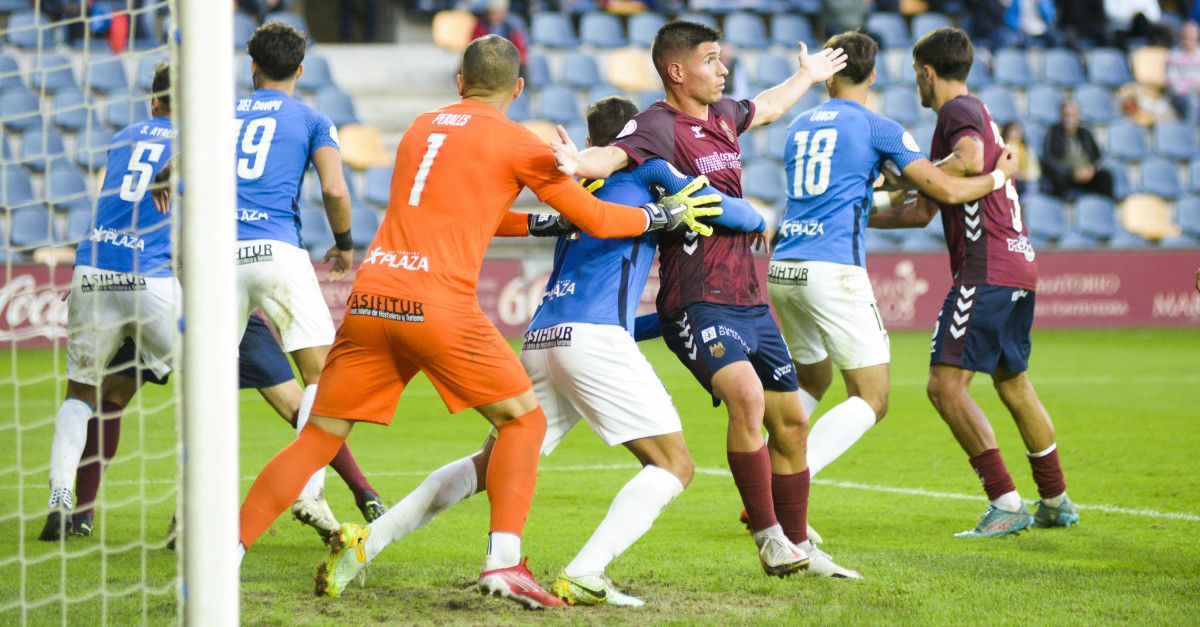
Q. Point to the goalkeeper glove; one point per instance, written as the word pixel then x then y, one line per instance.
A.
pixel 549 225
pixel 669 212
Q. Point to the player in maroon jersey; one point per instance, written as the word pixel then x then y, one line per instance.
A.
pixel 984 324
pixel 714 315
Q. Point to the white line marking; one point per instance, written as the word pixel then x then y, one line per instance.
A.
pixel 721 472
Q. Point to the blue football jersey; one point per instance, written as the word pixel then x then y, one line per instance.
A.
pixel 600 281
pixel 833 156
pixel 128 233
pixel 276 138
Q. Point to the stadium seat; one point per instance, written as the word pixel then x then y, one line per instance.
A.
pixel 106 74
pixel 1096 105
pixel 1011 67
pixel 699 18
pixel 883 75
pixel 316 74
pixel 39 145
pixel 900 104
pixel 362 146
pixel 878 242
pixel 928 239
pixel 520 109
pixel 30 227
pixel 602 30
pixel 1121 178
pixel 558 104
pixel 1187 215
pixel 364 222
pixel 1150 66
pixel 378 185
pixel 91 148
pixel 1194 176
pixel 1035 135
pixel 51 72
pixel 1148 216
pixel 1107 67
pixel 245 75
pixel 144 77
pixel 980 75
pixel 1161 178
pixel 579 70
pixel 748 144
pixel 923 133
pixel 29 30
pixel 543 129
pixel 122 113
pixel 632 71
pixel 1074 240
pixel 66 186
pixel 20 110
pixel 1046 217
pixel 553 30
pixel 10 73
pixel 578 134
pixel 336 104
pixel 890 28
pixel 646 98
pixel 602 90
pixel 788 28
pixel 1094 217
pixel 811 98
pixel 805 7
pixel 537 71
pixel 1061 67
pixel 244 26
pixel 314 229
pixel 643 27
pixel 1175 140
pixel 70 110
pixel 925 22
pixel 295 20
pixel 452 30
pixel 1127 141
pixel 777 141
pixel 79 222
pixel 764 180
pixel 746 30
pixel 772 69
pixel 1000 104
pixel 1043 102
pixel 16 189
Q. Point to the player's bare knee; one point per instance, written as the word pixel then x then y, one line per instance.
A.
pixel 682 467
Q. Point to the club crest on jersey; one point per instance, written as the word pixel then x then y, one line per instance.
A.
pixel 397 259
pixel 728 131
pixel 717 350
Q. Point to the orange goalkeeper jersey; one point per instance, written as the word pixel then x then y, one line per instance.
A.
pixel 458 170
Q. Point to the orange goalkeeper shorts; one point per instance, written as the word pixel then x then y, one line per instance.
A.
pixel 384 341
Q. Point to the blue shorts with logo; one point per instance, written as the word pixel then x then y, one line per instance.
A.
pixel 261 363
pixel 707 337
pixel 984 328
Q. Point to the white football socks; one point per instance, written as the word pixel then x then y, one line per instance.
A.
pixel 504 550
pixel 70 436
pixel 630 516
pixel 1009 501
pixel 809 402
pixel 439 491
pixel 315 488
pixel 837 431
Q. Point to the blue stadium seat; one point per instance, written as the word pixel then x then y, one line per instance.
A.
pixel 980 75
pixel 1046 217
pixel 1175 140
pixel 558 104
pixel 643 27
pixel 748 144
pixel 1096 105
pixel 79 222
pixel 520 109
pixel 316 74
pixel 923 133
pixel 38 145
pixel 777 141
pixel 1160 177
pixel 924 22
pixel 805 7
pixel 647 98
pixel 245 75
pixel 12 6
pixel 602 30
pixel 28 30
pixel 51 72
pixel 928 239
pixel 144 78
pixel 811 98
pixel 772 69
pixel 1035 135
pixel 901 105
pixel 878 241
pixel 122 113
pixel 314 229
pixel 336 104
pixel 1121 185
pixel 5 151
pixel 106 74
pixel 20 110
pixel 553 30
pixel 764 179
pixel 378 186
pixel 1108 67
pixel 1125 240
pixel 364 221
pixel 16 189
pixel 10 73
pixel 746 30
pixel 699 18
pixel 244 26
pixel 1095 217
pixel 295 20
pixel 91 148
pixel 30 227
pixel 537 71
pixel 1127 141
pixel 1011 67
pixel 1044 102
pixel 788 28
pixel 1061 67
pixel 579 70
pixel 1000 103
pixel 1194 176
pixel 66 187
pixel 578 134
pixel 602 90
pixel 890 28
pixel 1187 215
pixel 883 76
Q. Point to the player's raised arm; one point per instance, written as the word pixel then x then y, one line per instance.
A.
pixel 336 196
pixel 771 104
pixel 597 162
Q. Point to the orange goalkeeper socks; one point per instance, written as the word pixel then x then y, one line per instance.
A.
pixel 282 479
pixel 512 470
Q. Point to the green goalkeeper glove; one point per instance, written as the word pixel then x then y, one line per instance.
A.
pixel 668 212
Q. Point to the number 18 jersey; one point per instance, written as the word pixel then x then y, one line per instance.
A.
pixel 276 138
pixel 833 156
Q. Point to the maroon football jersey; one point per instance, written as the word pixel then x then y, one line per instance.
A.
pixel 714 269
pixel 987 239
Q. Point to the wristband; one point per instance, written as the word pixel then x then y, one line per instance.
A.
pixel 883 201
pixel 343 241
pixel 998 179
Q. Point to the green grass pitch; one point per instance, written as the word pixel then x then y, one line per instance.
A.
pixel 1125 403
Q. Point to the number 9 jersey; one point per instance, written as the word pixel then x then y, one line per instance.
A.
pixel 276 137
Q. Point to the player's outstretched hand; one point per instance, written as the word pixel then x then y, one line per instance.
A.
pixel 684 207
pixel 342 261
pixel 822 65
pixel 1007 163
pixel 566 155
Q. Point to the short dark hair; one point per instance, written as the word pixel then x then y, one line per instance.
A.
pixel 607 116
pixel 948 51
pixel 860 52
pixel 490 64
pixel 679 37
pixel 160 87
pixel 277 49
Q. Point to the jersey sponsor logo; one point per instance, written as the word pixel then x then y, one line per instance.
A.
pixel 708 334
pixel 246 105
pixel 386 307
pixel 1023 246
pixel 780 274
pixel 561 288
pixel 254 253
pixel 112 282
pixel 630 127
pixel 397 259
pixel 452 119
pixel 117 238
pixel 717 350
pixel 801 228
pixel 549 337
pixel 718 161
pixel 252 215
pixel 823 116
pixel 698 131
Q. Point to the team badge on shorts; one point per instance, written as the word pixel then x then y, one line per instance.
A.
pixel 717 350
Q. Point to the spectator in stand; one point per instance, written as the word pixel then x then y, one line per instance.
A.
pixel 365 13
pixel 1029 170
pixel 1183 73
pixel 1033 21
pixel 1136 19
pixel 1083 23
pixel 496 20
pixel 1071 158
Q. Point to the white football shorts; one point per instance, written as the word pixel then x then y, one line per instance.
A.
pixel 596 372
pixel 105 307
pixel 828 309
pixel 278 278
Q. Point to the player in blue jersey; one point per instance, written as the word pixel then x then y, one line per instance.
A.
pixel 818 278
pixel 278 138
pixel 581 355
